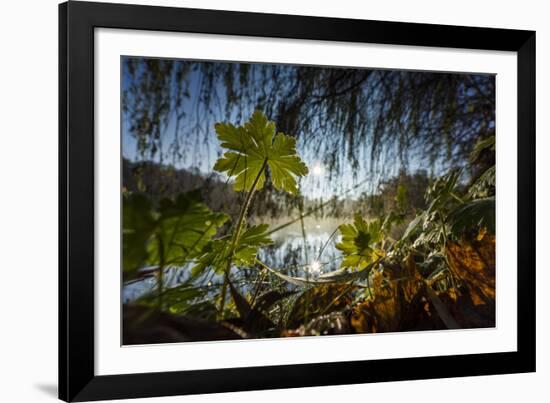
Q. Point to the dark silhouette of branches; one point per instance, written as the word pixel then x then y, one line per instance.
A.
pixel 361 118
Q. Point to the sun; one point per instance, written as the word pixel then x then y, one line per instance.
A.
pixel 318 169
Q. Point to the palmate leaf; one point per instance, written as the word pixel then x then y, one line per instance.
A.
pixel 252 147
pixel 248 244
pixel 174 234
pixel 216 253
pixel 359 242
pixel 185 226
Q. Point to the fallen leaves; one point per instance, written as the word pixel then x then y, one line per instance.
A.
pixel 398 301
pixel 380 314
pixel 473 261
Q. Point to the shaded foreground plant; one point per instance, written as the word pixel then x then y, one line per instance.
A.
pixel 438 274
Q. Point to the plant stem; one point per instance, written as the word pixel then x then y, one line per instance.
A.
pixel 456 197
pixel 319 207
pixel 236 233
pixel 301 210
pixel 160 272
pixel 259 281
pixel 326 243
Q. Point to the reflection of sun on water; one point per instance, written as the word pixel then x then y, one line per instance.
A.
pixel 314 268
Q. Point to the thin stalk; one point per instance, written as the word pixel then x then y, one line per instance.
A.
pixel 348 288
pixel 301 209
pixel 319 207
pixel 326 243
pixel 456 197
pixel 368 285
pixel 160 280
pixel 259 282
pixel 236 233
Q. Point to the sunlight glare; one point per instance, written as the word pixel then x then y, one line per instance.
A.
pixel 318 169
pixel 315 267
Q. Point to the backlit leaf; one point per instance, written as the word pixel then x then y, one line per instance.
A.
pixel 255 146
pixel 216 253
pixel 359 243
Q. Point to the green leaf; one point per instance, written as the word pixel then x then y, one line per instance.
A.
pixel 359 242
pixel 414 225
pixel 487 143
pixel 484 186
pixel 476 214
pixel 440 191
pixel 213 254
pixel 174 234
pixel 186 225
pixel 216 252
pixel 252 147
pixel 137 228
pixel 249 243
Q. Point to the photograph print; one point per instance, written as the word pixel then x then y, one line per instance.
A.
pixel 273 200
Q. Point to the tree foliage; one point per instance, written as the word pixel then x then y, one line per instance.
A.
pixel 402 115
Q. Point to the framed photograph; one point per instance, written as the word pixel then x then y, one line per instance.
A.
pixel 256 201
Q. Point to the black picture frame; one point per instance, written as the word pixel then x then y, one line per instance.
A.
pixel 77 379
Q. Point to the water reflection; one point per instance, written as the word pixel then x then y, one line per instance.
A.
pixel 291 253
pixel 298 255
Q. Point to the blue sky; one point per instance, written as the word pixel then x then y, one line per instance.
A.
pixel 200 147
